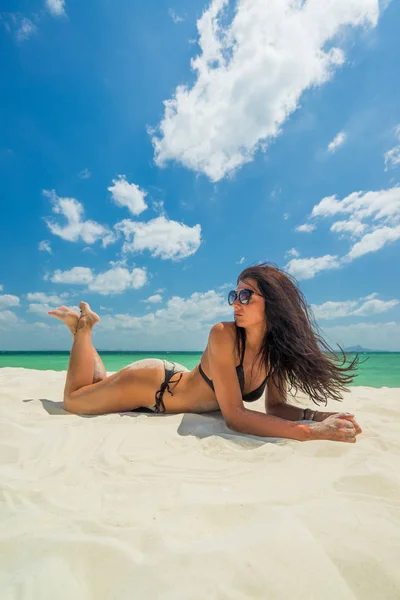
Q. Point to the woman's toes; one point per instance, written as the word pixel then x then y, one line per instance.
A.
pixel 84 306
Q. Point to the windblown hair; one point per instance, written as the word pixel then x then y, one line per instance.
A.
pixel 293 349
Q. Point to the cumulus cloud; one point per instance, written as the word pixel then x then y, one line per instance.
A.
pixel 307 268
pixel 392 156
pixel 193 314
pixel 337 141
pixel 373 218
pixel 46 298
pixel 249 78
pixel 75 276
pixel 306 228
pixel 41 303
pixel 118 280
pixel 129 195
pixel 113 281
pixel 155 299
pixel 44 246
pixel 7 318
pixel 362 307
pixel 293 253
pixel 373 221
pixel 56 7
pixel 7 300
pixel 163 238
pixel 76 228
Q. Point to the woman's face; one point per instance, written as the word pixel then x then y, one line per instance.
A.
pixel 252 313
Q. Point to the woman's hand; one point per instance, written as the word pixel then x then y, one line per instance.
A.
pixel 339 427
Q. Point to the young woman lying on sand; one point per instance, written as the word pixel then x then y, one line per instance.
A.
pixel 271 342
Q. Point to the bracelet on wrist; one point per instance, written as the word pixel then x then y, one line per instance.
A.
pixel 308 414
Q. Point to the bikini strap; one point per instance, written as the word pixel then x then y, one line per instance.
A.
pixel 243 349
pixel 160 392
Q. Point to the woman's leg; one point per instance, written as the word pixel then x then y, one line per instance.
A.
pixel 81 364
pixel 71 318
pixel 130 388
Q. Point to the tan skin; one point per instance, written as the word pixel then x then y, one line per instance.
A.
pixel 88 390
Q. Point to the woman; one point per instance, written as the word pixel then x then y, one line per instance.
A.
pixel 271 342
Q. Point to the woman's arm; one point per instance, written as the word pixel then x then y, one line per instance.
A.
pixel 221 355
pixel 276 405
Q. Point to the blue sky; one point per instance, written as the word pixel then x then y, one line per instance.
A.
pixel 150 151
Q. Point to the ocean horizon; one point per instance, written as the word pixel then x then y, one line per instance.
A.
pixel 378 369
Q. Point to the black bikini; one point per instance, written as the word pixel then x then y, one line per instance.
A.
pixel 251 396
pixel 170 370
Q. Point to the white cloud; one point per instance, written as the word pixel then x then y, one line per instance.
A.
pixel 25 28
pixel 56 7
pixel 114 281
pixel 307 268
pixel 85 174
pixel 241 261
pixel 45 298
pixel 7 318
pixel 306 228
pixel 129 195
pixel 354 227
pixel 286 216
pixel 45 246
pixel 75 276
pixel 337 141
pixel 7 300
pixel 250 76
pixel 373 222
pixel 360 308
pixel 1 287
pixel 176 18
pixel 40 309
pixel 226 286
pixel 118 280
pixel 373 217
pixel 371 242
pixel 392 156
pixel 194 314
pixel 76 228
pixel 163 238
pixel 155 299
pixel 293 252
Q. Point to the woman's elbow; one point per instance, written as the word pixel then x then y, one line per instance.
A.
pixel 235 420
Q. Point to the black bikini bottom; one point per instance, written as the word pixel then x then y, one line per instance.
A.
pixel 170 370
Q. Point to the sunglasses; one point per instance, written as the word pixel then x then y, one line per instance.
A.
pixel 244 296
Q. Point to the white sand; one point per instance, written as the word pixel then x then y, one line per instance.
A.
pixel 130 506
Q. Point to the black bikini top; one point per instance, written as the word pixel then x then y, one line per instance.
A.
pixel 251 396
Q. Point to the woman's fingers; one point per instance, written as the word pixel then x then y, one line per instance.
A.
pixel 349 417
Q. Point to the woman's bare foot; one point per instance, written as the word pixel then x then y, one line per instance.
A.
pixel 67 316
pixel 88 318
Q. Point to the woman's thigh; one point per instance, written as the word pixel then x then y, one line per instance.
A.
pixel 130 388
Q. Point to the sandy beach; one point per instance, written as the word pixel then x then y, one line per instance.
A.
pixel 174 507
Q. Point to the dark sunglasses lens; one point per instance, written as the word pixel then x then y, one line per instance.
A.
pixel 244 296
pixel 231 297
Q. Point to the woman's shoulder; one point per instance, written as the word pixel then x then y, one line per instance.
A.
pixel 223 334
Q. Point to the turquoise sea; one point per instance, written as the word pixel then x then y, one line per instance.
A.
pixel 381 368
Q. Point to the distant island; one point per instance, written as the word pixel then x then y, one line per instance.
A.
pixel 358 349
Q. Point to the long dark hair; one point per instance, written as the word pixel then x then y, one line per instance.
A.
pixel 292 348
